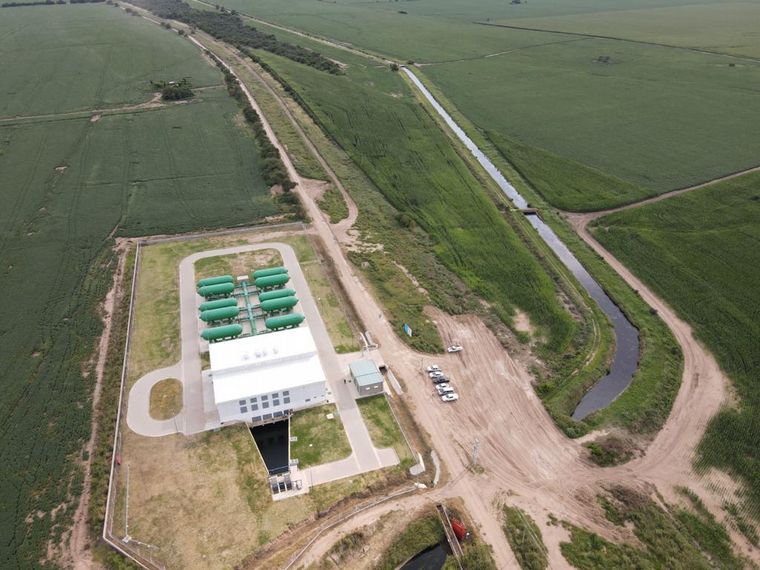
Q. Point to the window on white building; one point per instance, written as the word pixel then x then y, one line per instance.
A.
pixel 264 404
pixel 286 400
pixel 275 402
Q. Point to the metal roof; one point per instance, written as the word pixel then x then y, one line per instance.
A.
pixel 365 372
pixel 263 364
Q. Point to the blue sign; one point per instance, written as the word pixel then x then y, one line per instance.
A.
pixel 407 329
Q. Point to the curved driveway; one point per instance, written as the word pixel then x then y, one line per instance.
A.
pixel 199 412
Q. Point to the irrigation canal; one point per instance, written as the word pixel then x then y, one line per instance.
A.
pixel 626 357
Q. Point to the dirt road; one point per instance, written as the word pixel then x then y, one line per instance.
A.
pixel 522 453
pixel 521 450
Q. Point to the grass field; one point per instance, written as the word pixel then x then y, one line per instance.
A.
pixel 383 427
pixel 699 252
pixel 166 399
pixel 320 440
pixel 647 117
pixel 67 185
pixel 668 536
pixel 524 538
pixel 77 54
pixel 372 114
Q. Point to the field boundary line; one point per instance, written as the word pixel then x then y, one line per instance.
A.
pixel 589 216
pixel 150 240
pixel 614 38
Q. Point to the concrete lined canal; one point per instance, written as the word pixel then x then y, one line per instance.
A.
pixel 626 357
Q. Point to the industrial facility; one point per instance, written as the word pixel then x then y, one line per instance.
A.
pixel 266 377
pixel 264 366
pixel 366 377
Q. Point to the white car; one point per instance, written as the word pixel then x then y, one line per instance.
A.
pixel 455 348
pixel 433 368
pixel 452 397
pixel 435 374
pixel 443 387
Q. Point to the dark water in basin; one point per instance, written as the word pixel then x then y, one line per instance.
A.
pixel 272 441
pixel 626 356
pixel 431 559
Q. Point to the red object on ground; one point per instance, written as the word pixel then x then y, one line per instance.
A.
pixel 118 460
pixel 460 530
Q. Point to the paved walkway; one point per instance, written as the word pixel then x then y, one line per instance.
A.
pixel 138 407
pixel 199 413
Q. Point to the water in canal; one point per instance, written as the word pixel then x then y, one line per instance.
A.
pixel 626 357
pixel 431 559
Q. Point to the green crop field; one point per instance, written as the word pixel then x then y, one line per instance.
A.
pixel 699 252
pixel 68 184
pixel 372 114
pixel 649 116
pixel 652 118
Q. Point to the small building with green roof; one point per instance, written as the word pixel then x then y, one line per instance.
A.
pixel 366 377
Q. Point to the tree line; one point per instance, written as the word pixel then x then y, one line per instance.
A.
pixel 227 26
pixel 272 169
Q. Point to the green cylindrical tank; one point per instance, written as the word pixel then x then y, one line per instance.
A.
pixel 271 281
pixel 218 304
pixel 216 290
pixel 215 280
pixel 267 271
pixel 220 333
pixel 276 294
pixel 273 305
pixel 284 321
pixel 222 314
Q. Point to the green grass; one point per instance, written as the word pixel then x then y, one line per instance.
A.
pixel 166 399
pixel 648 117
pixel 679 538
pixel 319 440
pixel 67 186
pixel 524 538
pixel 644 406
pixel 698 252
pixel 566 184
pixel 78 54
pixel 383 427
pixel 372 114
pixel 724 26
pixel 383 238
pixel 420 534
pixel 333 204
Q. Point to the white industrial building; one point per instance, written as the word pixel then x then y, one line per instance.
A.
pixel 261 378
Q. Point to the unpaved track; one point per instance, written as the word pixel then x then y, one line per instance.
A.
pixel 522 452
pixel 585 218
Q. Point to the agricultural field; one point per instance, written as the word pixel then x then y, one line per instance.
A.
pixel 90 168
pixel 624 119
pixel 698 251
pixel 369 111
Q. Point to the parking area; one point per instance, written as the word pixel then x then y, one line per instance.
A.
pixel 443 384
